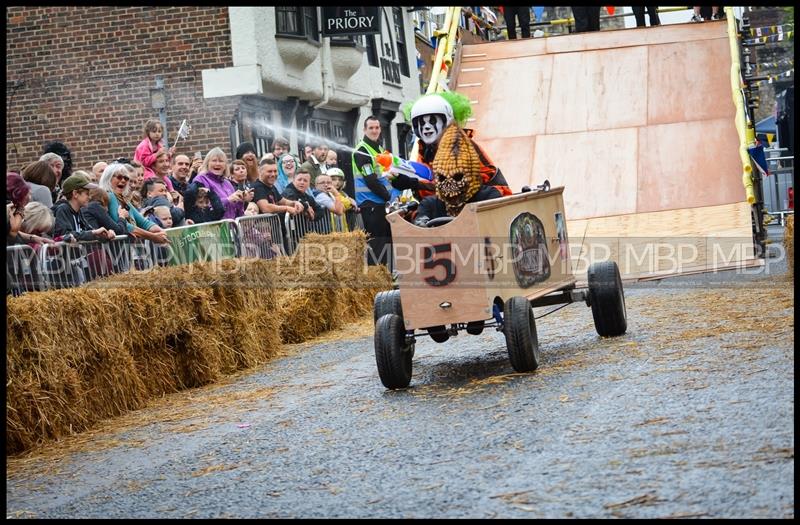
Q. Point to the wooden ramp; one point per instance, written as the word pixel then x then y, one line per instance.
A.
pixel 636 124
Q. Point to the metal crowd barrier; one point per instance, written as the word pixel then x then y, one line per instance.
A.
pixel 776 186
pixel 261 236
pixel 22 270
pixel 66 265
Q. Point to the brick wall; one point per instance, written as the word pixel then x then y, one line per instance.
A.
pixel 82 75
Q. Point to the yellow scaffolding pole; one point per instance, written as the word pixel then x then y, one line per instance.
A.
pixel 444 57
pixel 745 131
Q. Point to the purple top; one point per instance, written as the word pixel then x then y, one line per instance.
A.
pixel 223 188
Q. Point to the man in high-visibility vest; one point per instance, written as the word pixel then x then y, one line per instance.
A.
pixel 373 191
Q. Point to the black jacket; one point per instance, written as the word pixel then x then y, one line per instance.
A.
pixel 97 216
pixel 199 215
pixel 71 223
pixel 291 193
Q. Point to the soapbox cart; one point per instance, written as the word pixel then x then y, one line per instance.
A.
pixel 486 268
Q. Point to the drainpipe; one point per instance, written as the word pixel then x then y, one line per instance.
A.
pixel 326 56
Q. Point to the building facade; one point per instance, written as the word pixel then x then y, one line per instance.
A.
pixel 91 76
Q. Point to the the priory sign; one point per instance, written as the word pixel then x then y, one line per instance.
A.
pixel 345 21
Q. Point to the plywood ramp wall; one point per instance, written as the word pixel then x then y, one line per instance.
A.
pixel 630 122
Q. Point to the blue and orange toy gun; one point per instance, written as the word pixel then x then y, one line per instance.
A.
pixel 393 165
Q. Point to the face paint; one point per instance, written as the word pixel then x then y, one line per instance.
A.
pixel 429 128
pixel 457 169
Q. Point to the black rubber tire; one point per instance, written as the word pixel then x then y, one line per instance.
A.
pixel 519 327
pixel 475 327
pixel 438 333
pixel 392 355
pixel 387 302
pixel 607 299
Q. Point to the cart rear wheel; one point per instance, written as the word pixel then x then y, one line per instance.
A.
pixel 475 327
pixel 519 327
pixel 438 333
pixel 607 299
pixel 392 354
pixel 387 302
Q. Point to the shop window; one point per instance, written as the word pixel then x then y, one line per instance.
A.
pixel 297 21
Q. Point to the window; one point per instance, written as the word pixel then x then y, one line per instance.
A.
pixel 347 40
pixel 400 34
pixel 405 140
pixel 372 50
pixel 235 135
pixel 297 21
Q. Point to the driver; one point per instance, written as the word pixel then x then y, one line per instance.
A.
pixel 462 170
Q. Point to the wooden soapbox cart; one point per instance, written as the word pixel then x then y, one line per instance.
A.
pixel 487 268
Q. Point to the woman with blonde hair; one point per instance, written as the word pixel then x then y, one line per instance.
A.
pixel 214 175
pixel 37 223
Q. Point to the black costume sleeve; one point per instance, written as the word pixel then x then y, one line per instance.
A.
pixel 427 211
pixel 404 182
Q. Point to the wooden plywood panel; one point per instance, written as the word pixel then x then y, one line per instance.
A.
pixel 494 221
pixel 688 81
pixel 597 170
pixel 503 50
pixel 689 164
pixel 498 112
pixel 465 285
pixel 598 90
pixel 665 242
pixel 513 156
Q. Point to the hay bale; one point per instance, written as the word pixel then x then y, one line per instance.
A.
pixel 79 355
pixel 788 243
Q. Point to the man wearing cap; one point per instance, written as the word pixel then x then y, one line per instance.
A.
pixel 247 153
pixel 70 223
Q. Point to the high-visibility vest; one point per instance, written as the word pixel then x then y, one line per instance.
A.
pixel 363 193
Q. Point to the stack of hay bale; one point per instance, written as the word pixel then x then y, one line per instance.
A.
pixel 80 355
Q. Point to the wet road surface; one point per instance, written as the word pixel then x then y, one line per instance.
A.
pixel 689 414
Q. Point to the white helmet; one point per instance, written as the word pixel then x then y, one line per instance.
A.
pixel 431 105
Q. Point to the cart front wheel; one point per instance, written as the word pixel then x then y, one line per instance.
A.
pixel 607 299
pixel 392 354
pixel 519 327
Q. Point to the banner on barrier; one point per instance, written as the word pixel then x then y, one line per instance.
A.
pixel 201 242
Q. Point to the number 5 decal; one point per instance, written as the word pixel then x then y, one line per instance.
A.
pixel 429 263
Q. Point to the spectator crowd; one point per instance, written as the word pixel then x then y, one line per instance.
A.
pixel 159 188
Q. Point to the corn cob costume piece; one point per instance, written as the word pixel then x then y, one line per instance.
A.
pixel 457 169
